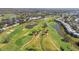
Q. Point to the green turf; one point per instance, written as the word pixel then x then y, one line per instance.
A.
pixel 17 38
pixel 23 40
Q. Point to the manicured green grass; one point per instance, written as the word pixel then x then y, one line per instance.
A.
pixel 23 40
pixel 21 36
pixel 57 37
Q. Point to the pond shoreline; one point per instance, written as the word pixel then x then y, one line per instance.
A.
pixel 68 29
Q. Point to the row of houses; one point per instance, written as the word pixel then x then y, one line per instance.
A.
pixel 10 22
pixel 35 18
pixel 68 28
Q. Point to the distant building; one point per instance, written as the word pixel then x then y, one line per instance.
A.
pixel 77 20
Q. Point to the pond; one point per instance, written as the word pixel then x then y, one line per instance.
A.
pixel 58 29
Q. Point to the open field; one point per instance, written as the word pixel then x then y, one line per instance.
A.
pixel 34 32
pixel 41 37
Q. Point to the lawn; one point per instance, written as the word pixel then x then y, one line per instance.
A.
pixel 41 37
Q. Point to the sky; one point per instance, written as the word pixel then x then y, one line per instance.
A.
pixel 39 3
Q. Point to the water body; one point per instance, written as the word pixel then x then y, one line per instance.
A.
pixel 58 29
pixel 62 33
